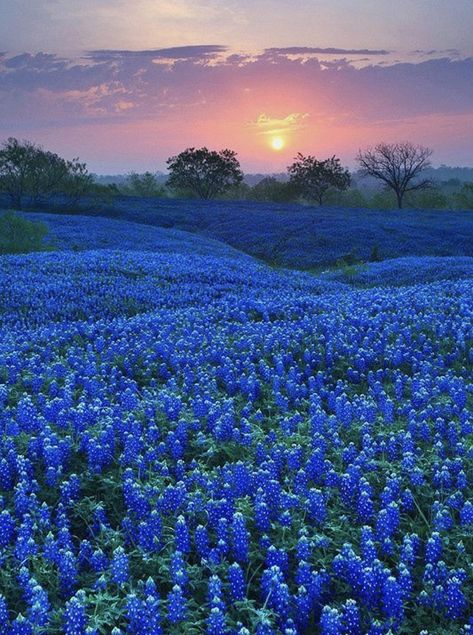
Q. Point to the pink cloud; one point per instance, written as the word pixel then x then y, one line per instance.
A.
pixel 205 95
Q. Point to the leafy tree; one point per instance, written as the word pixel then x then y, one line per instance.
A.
pixel 464 198
pixel 48 174
pixel 351 197
pixel 27 170
pixel 383 199
pixel 20 236
pixel 397 165
pixel 431 198
pixel 205 173
pixel 271 189
pixel 78 181
pixel 240 192
pixel 314 178
pixel 145 185
pixel 17 165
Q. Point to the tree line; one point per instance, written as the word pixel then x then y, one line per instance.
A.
pixel 27 170
pixel 398 166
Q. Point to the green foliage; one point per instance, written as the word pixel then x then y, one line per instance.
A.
pixel 314 178
pixel 27 170
pixel 78 182
pixel 384 199
pixel 375 255
pixel 350 265
pixel 239 192
pixel 464 198
pixel 270 189
pixel 430 198
pixel 19 169
pixel 145 185
pixel 206 173
pixel 351 197
pixel 20 236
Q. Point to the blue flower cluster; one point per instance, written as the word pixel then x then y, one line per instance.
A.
pixel 295 235
pixel 79 233
pixel 193 444
pixel 404 271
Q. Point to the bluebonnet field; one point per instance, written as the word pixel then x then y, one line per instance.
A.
pixel 307 237
pixel 202 444
pixel 79 233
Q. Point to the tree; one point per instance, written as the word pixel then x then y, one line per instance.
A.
pixel 464 198
pixel 48 174
pixel 270 189
pixel 206 173
pixel 314 178
pixel 26 169
pixel 17 165
pixel 145 185
pixel 78 182
pixel 398 165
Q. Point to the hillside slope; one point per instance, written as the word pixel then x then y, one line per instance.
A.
pixel 309 237
pixel 81 232
pixel 195 440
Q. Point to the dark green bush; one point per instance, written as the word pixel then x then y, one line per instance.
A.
pixel 464 198
pixel 21 236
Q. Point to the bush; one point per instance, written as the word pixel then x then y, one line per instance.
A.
pixel 145 185
pixel 431 198
pixel 383 199
pixel 464 198
pixel 270 189
pixel 21 236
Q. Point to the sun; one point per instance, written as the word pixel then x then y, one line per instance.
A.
pixel 277 143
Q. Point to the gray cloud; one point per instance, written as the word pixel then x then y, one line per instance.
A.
pixel 174 53
pixel 307 50
pixel 200 80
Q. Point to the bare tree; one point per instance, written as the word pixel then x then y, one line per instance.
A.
pixel 398 165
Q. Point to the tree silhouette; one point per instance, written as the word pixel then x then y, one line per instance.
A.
pixel 313 178
pixel 398 165
pixel 27 170
pixel 206 173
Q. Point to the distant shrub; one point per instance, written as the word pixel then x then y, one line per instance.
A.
pixel 270 189
pixel 145 185
pixel 21 236
pixel 464 198
pixel 431 198
pixel 352 197
pixel 348 259
pixel 375 255
pixel 239 192
pixel 384 199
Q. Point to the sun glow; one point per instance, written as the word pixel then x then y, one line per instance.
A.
pixel 277 143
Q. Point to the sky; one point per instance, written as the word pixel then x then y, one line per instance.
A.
pixel 124 84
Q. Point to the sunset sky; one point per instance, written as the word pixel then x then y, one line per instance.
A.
pixel 125 84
